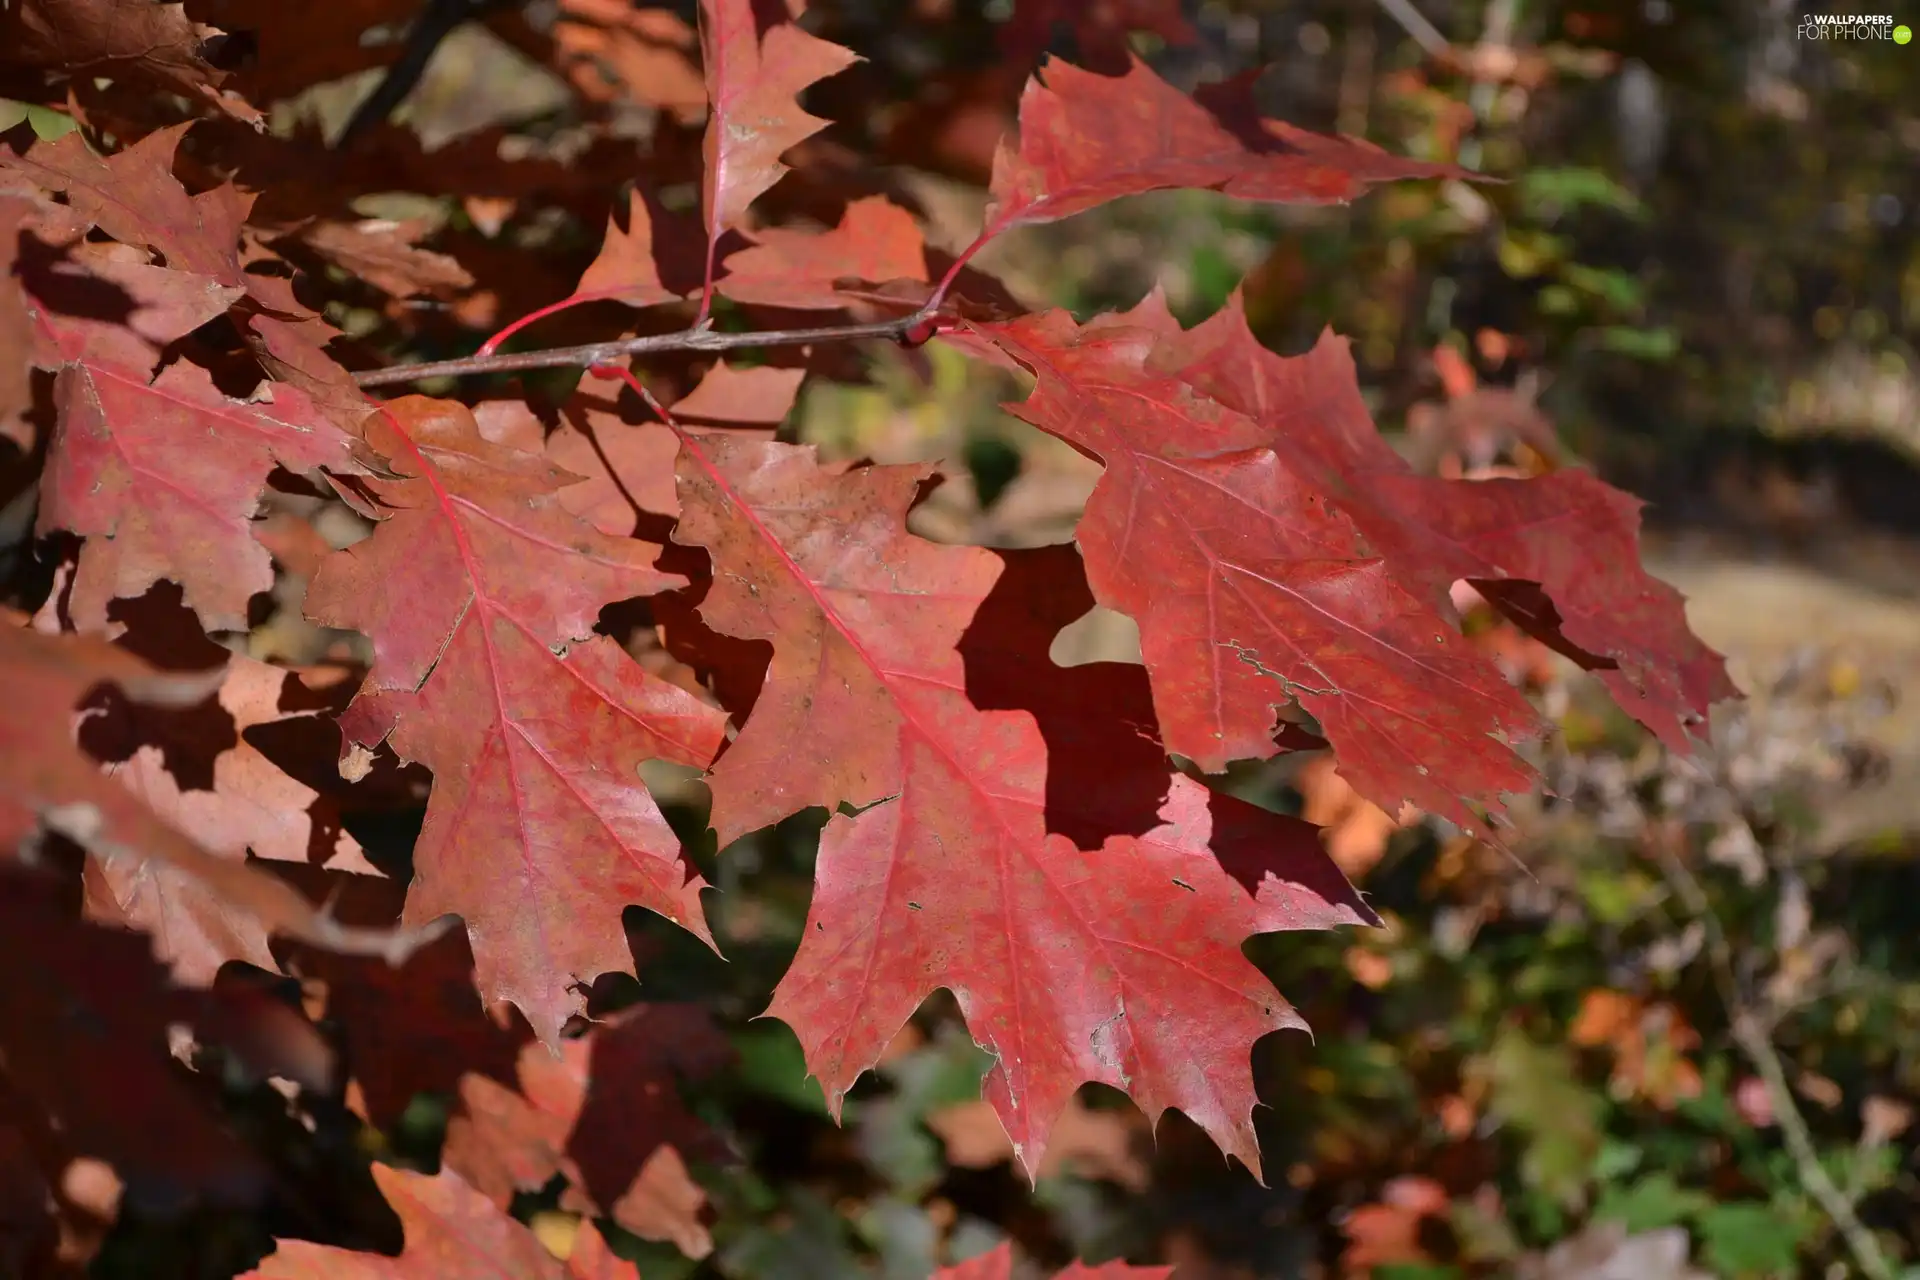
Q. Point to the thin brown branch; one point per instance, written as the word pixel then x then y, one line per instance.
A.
pixel 1753 1040
pixel 598 353
pixel 1415 24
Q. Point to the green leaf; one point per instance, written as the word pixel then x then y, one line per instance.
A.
pixel 1620 290
pixel 48 125
pixel 1616 1160
pixel 1749 1238
pixel 1642 344
pixel 772 1065
pixel 1534 1089
pixel 1547 193
pixel 808 1243
pixel 1654 1201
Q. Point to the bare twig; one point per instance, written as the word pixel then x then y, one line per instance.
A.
pixel 598 353
pixel 1415 24
pixel 1754 1042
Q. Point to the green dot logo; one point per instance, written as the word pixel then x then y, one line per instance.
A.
pixel 1902 34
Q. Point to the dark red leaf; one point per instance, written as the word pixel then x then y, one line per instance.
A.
pixel 1100 27
pixel 607 1114
pixel 84 1021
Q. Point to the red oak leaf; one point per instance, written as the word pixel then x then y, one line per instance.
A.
pixel 762 396
pixel 1559 554
pixel 480 592
pixel 1111 953
pixel 387 255
pixel 1253 586
pixel 612 49
pixel 164 477
pixel 607 1113
pixel 624 268
pixel 628 465
pixel 291 342
pixel 1086 139
pixel 133 196
pixel 997 1264
pixel 95 305
pixel 193 768
pixel 753 82
pixel 451 1230
pixel 876 241
pixel 162 474
pixel 150 41
pixel 52 783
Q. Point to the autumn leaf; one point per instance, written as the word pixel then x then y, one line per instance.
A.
pixel 194 768
pixel 1253 587
pixel 607 1114
pixel 1086 139
pixel 143 39
pixel 133 196
pixel 1087 1143
pixel 95 305
pixel 387 255
pixel 451 1230
pixel 876 241
pixel 753 396
pixel 624 268
pixel 1112 955
pixel 1274 548
pixel 753 83
pixel 16 329
pixel 480 593
pixel 128 469
pixel 627 466
pixel 43 679
pixel 162 474
pixel 1559 554
pixel 612 49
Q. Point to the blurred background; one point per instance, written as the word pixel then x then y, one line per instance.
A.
pixel 1681 1035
